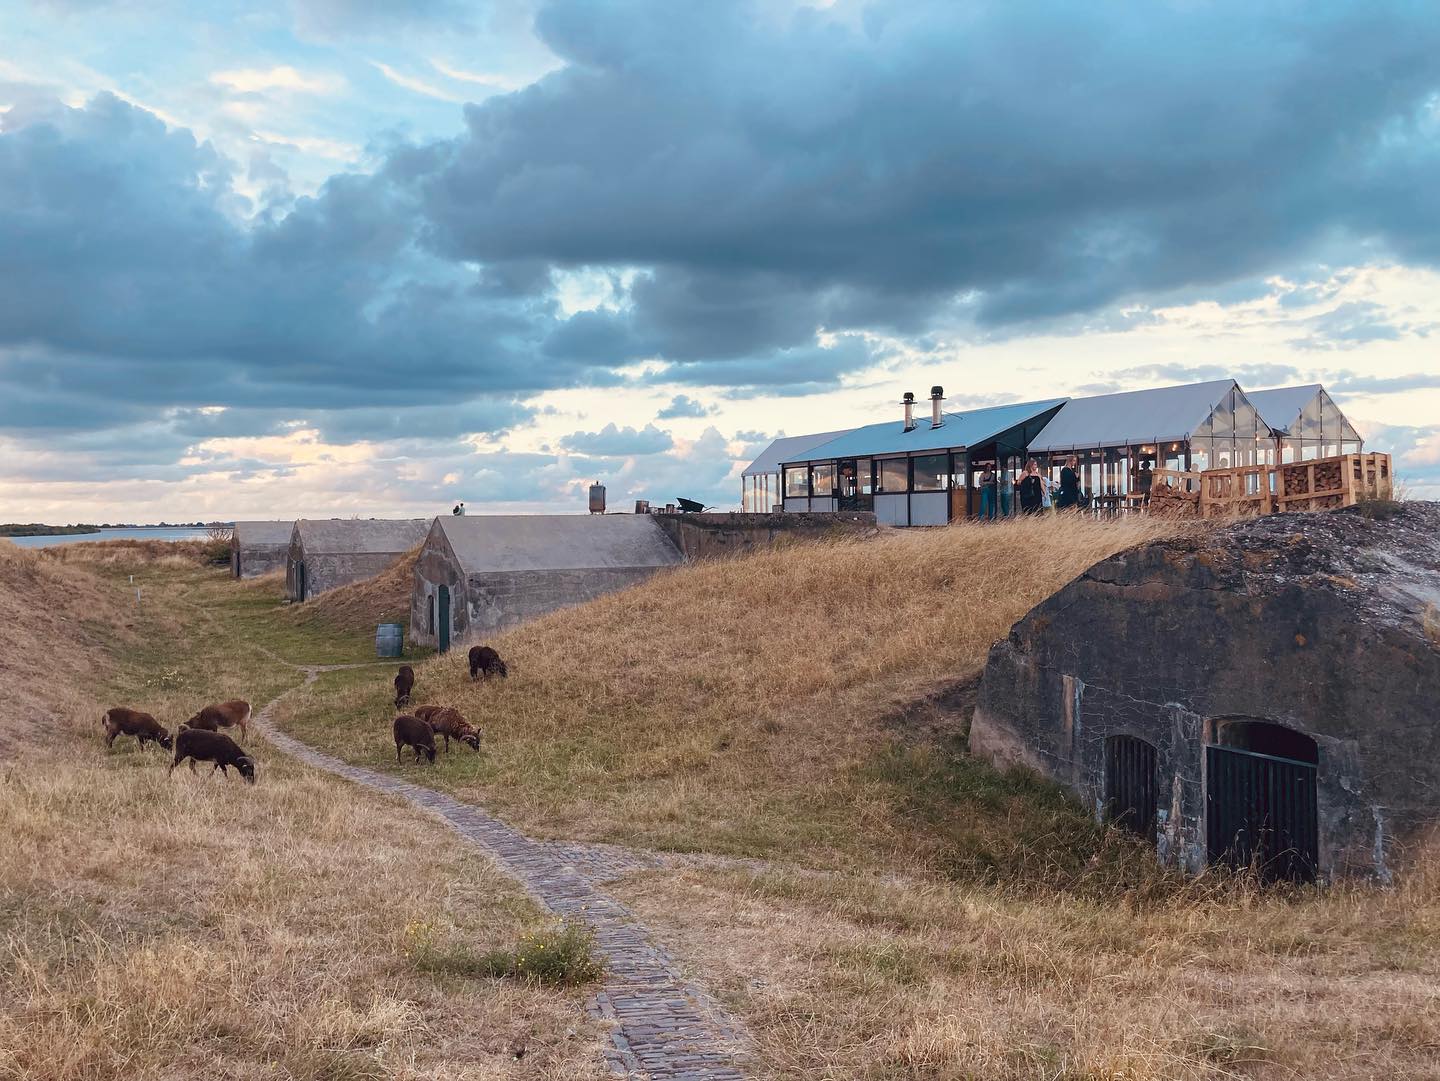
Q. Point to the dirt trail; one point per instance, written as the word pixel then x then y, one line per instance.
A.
pixel 665 1027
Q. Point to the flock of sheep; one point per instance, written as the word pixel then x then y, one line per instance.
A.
pixel 418 728
pixel 200 740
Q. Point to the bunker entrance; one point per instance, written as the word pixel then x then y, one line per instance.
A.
pixel 1131 791
pixel 1261 806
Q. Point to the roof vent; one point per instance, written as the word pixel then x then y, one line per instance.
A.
pixel 908 401
pixel 937 395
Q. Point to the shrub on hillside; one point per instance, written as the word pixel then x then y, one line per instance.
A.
pixel 560 956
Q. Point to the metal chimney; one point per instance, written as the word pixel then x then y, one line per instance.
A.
pixel 937 395
pixel 909 402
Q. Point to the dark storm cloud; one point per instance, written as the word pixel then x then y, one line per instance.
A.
pixel 1043 158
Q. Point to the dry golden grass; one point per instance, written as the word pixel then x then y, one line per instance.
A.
pixel 861 977
pixel 188 927
pixel 360 606
pixel 141 553
pixel 736 706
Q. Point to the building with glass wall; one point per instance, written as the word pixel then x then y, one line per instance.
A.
pixel 1307 423
pixel 913 472
pixel 760 482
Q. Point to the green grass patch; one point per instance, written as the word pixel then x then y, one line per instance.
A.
pixel 559 956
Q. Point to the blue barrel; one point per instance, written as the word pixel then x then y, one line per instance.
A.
pixel 389 640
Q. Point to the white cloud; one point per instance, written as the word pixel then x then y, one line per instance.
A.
pixel 419 86
pixel 281 77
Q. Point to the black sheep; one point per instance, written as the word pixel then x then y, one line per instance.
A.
pixel 404 683
pixel 414 733
pixel 486 660
pixel 216 748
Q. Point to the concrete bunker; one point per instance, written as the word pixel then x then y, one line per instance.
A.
pixel 1263 695
pixel 257 548
pixel 326 553
pixel 482 573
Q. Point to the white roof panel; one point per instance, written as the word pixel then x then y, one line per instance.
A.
pixel 1135 416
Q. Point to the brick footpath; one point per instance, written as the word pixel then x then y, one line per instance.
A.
pixel 662 1026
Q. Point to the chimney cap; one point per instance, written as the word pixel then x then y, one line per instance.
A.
pixel 937 392
pixel 909 396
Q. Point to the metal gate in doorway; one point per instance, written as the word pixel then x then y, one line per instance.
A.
pixel 1261 811
pixel 1131 794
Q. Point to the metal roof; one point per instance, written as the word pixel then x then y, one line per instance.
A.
pixel 967 429
pixel 1134 416
pixel 354 536
pixel 786 448
pixel 266 533
pixel 544 542
pixel 1281 406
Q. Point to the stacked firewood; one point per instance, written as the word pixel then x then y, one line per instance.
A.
pixel 1328 478
pixel 1172 501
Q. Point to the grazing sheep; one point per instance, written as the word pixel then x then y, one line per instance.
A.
pixel 232 714
pixel 412 732
pixel 220 750
pixel 129 722
pixel 444 721
pixel 404 682
pixel 486 660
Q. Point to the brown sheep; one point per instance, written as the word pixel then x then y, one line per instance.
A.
pixel 232 714
pixel 404 683
pixel 129 722
pixel 444 721
pixel 220 750
pixel 485 660
pixel 414 733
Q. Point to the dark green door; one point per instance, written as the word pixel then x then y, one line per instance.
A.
pixel 300 581
pixel 444 618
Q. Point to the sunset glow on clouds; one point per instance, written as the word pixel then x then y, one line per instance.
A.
pixel 332 257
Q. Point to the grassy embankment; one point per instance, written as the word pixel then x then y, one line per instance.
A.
pixel 923 916
pixel 186 927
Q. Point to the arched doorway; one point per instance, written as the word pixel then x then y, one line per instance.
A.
pixel 1132 795
pixel 1261 806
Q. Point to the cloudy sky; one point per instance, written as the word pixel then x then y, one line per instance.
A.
pixel 359 256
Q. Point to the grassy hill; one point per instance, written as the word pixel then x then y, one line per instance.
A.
pixel 190 927
pixel 758 706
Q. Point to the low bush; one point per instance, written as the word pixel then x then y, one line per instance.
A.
pixel 559 956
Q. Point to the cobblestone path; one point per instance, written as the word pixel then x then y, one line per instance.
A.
pixel 662 1026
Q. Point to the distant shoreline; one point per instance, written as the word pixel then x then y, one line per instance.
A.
pixel 37 530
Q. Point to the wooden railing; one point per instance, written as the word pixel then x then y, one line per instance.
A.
pixel 1319 484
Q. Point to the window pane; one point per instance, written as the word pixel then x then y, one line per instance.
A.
pixel 823 478
pixel 862 472
pixel 796 481
pixel 931 472
pixel 894 475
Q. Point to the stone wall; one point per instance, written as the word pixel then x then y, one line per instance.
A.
pixel 1322 623
pixel 713 536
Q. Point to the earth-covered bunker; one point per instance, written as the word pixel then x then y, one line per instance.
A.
pixel 1267 693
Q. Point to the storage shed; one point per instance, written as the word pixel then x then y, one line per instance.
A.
pixel 760 483
pixel 259 547
pixel 1307 423
pixel 914 472
pixel 482 573
pixel 329 552
pixel 1260 696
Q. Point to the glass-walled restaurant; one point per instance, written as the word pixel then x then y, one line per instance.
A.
pixel 926 475
pixel 970 464
pixel 1120 439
